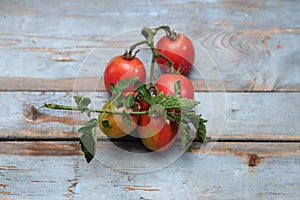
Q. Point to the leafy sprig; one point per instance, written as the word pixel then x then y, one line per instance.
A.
pixel 178 109
pixel 174 108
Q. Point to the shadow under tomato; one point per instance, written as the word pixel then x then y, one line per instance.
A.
pixel 130 144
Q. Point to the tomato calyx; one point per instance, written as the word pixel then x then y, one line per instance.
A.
pixel 172 35
pixel 128 55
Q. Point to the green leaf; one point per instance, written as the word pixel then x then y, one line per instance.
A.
pixel 88 113
pixel 112 88
pixel 125 83
pixel 174 102
pixel 177 88
pixel 160 97
pixel 199 124
pixel 172 116
pixel 87 147
pixel 118 89
pixel 157 109
pixel 144 93
pixel 184 135
pixel 201 129
pixel 187 104
pixel 88 139
pixel 77 99
pixel 126 118
pixel 130 101
pixel 138 84
pixel 91 123
pixel 186 120
pixel 188 149
pixel 82 101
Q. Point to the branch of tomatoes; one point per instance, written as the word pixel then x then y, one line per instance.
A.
pixel 165 115
pixel 157 111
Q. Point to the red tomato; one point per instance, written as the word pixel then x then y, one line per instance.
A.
pixel 181 51
pixel 156 132
pixel 165 83
pixel 123 67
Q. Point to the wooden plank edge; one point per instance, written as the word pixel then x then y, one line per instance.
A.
pixel 55 135
pixel 253 154
pixel 92 84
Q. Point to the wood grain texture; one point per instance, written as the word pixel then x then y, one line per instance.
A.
pixel 216 84
pixel 224 171
pixel 242 116
pixel 233 39
pixel 246 76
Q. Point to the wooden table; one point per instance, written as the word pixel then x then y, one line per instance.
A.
pixel 248 58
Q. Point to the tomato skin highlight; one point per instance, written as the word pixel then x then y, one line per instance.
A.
pixel 120 68
pixel 165 83
pixel 156 132
pixel 181 51
pixel 117 128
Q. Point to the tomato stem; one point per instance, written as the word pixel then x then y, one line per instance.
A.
pixel 63 107
pixel 152 76
pixel 132 47
pixel 171 34
pixel 158 54
pixel 149 34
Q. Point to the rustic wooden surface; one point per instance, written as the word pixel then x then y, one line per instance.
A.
pixel 247 78
pixel 229 171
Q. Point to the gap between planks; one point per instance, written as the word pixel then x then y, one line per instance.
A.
pixel 56 135
pixel 128 139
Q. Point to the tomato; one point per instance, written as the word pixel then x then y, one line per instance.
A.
pixel 123 67
pixel 156 132
pixel 165 83
pixel 181 51
pixel 113 125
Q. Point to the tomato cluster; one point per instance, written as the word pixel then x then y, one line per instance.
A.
pixel 156 131
pixel 158 111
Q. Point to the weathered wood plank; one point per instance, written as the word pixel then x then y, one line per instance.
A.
pixel 38 177
pixel 279 73
pixel 97 84
pixel 243 39
pixel 221 171
pixel 242 116
pixel 249 46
